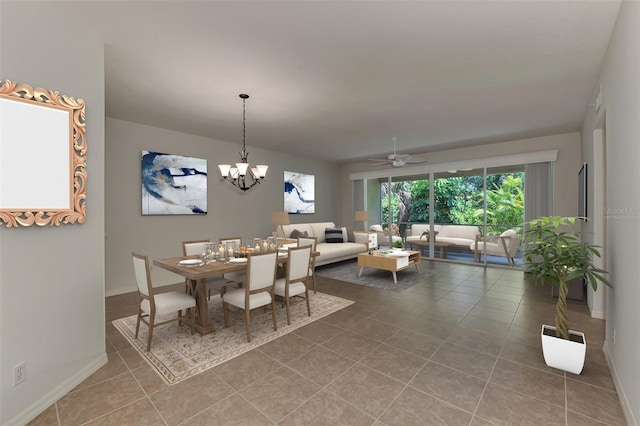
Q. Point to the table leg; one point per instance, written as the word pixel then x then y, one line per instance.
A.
pixel 361 269
pixel 203 326
pixel 395 277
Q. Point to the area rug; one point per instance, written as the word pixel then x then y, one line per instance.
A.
pixel 177 355
pixel 348 270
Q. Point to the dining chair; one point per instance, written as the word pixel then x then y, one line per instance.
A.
pixel 257 291
pixel 234 277
pixel 152 305
pixel 310 241
pixel 297 276
pixel 196 247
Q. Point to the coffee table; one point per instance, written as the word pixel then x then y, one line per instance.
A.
pixel 442 245
pixel 387 260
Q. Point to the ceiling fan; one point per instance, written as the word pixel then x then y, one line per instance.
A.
pixel 398 160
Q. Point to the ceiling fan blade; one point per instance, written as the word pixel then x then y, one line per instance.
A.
pixel 379 162
pixel 415 160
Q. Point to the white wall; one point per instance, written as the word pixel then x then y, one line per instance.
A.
pixel 566 168
pixel 52 278
pixel 620 79
pixel 230 211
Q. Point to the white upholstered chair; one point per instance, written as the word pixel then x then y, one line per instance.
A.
pixel 196 247
pixel 152 305
pixel 257 291
pixel 310 241
pixel 237 278
pixel 383 236
pixel 296 280
pixel 504 245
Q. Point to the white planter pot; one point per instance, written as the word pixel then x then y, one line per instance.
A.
pixel 563 354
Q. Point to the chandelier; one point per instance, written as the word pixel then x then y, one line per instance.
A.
pixel 242 176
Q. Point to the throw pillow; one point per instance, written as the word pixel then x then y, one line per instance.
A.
pixel 295 234
pixel 333 235
pixel 345 236
pixel 350 235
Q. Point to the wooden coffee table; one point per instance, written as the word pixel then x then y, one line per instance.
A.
pixel 385 260
pixel 443 246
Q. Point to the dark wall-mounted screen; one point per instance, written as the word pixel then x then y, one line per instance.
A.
pixel 582 191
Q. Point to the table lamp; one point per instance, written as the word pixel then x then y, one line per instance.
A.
pixel 362 216
pixel 280 219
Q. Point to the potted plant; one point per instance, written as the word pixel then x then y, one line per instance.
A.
pixel 557 255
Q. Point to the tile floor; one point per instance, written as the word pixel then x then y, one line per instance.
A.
pixel 461 348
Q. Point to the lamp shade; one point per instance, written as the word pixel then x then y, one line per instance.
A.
pixel 279 218
pixel 362 216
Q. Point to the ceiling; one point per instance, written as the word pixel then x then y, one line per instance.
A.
pixel 337 80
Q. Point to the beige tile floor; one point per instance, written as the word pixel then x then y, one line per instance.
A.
pixel 461 348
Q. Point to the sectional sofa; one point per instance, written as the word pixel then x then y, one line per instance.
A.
pixel 330 252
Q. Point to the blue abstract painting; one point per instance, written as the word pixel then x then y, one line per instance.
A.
pixel 299 193
pixel 173 184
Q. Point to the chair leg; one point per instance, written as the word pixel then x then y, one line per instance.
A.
pixel 273 313
pixel 286 301
pixel 192 314
pixel 152 320
pixel 247 318
pixel 138 322
pixel 313 279
pixel 306 293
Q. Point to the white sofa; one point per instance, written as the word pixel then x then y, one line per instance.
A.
pixel 330 252
pixel 462 236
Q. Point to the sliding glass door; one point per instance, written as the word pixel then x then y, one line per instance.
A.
pixel 475 215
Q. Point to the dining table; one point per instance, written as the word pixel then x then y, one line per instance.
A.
pixel 197 275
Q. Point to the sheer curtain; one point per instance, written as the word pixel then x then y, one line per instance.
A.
pixel 538 192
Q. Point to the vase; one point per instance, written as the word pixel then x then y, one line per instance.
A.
pixel 563 354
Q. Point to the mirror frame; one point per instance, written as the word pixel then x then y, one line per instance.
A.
pixel 76 213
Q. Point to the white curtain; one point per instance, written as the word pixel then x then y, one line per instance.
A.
pixel 538 192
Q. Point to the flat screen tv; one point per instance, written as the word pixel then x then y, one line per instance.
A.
pixel 582 192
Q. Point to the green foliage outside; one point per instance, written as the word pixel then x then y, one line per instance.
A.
pixel 458 200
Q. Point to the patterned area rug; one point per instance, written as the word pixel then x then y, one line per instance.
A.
pixel 177 355
pixel 348 270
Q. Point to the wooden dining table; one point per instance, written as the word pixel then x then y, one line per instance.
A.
pixel 197 277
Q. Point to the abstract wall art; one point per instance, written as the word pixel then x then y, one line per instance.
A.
pixel 299 193
pixel 173 184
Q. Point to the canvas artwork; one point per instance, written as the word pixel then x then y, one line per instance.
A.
pixel 299 193
pixel 173 184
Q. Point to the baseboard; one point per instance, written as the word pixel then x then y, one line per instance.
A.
pixel 117 291
pixel 598 315
pixel 35 409
pixel 624 402
pixel 124 290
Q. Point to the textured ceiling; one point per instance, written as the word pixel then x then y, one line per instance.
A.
pixel 337 80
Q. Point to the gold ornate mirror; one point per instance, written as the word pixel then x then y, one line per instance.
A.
pixel 42 157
